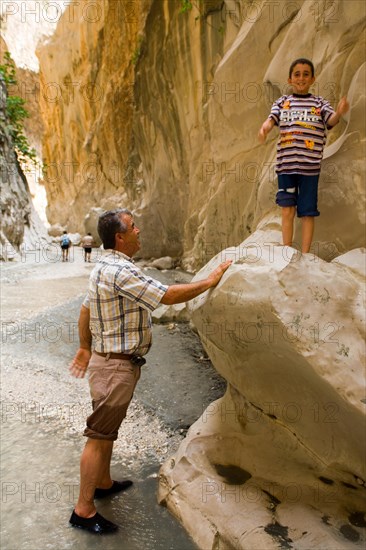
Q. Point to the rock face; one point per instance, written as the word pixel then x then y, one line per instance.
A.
pixel 280 458
pixel 87 76
pixel 20 225
pixel 159 111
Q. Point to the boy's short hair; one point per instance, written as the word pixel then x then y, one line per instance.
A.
pixel 303 61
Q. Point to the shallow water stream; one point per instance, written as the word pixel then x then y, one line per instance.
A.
pixel 40 484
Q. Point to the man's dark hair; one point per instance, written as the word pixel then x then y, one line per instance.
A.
pixel 303 61
pixel 109 224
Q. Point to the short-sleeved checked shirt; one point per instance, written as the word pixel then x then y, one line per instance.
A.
pixel 121 298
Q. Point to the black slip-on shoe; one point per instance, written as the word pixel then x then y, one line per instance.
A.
pixel 96 524
pixel 117 487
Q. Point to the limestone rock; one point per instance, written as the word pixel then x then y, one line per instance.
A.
pixel 91 224
pixel 56 230
pixel 355 260
pixel 280 458
pixel 177 313
pixel 163 263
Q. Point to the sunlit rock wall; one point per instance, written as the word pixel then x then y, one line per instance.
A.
pixel 175 104
pixel 87 76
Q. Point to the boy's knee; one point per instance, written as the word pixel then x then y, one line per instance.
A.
pixel 288 212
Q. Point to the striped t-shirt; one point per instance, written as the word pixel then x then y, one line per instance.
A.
pixel 121 298
pixel 302 120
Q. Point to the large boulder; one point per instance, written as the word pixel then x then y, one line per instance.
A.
pixel 280 458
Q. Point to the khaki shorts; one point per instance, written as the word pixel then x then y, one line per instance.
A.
pixel 112 383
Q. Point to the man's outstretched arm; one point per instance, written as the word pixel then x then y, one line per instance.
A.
pixel 81 360
pixel 177 294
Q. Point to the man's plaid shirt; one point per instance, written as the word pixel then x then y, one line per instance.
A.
pixel 121 299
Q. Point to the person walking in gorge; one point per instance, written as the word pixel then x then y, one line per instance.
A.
pixel 303 120
pixel 65 243
pixel 116 318
pixel 87 244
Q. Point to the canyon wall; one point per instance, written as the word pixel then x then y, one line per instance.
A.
pixel 86 93
pixel 159 110
pixel 20 227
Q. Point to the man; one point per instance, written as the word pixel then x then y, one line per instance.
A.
pixel 116 315
pixel 87 244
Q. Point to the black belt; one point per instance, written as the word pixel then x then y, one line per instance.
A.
pixel 135 359
pixel 112 355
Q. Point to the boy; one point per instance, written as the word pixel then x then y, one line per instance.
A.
pixel 303 120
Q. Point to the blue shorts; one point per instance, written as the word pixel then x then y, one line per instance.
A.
pixel 300 191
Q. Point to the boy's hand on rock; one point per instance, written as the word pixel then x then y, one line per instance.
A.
pixel 80 363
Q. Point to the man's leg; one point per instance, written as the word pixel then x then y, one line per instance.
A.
pixel 105 480
pixel 95 462
pixel 307 233
pixel 288 215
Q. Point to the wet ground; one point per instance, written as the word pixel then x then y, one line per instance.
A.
pixel 43 413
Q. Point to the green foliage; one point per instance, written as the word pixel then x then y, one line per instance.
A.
pixel 136 54
pixel 186 5
pixel 16 113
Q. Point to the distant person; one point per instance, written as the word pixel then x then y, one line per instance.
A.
pixel 87 244
pixel 116 316
pixel 65 245
pixel 303 120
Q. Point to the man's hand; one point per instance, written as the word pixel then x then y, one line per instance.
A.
pixel 218 272
pixel 176 294
pixel 80 363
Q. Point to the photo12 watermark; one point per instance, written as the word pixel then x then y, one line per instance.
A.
pixel 50 492
pixel 36 412
pixel 251 252
pixel 253 92
pixel 70 92
pixel 288 412
pixel 87 11
pixel 270 492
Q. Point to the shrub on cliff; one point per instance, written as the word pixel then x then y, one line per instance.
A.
pixel 16 113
